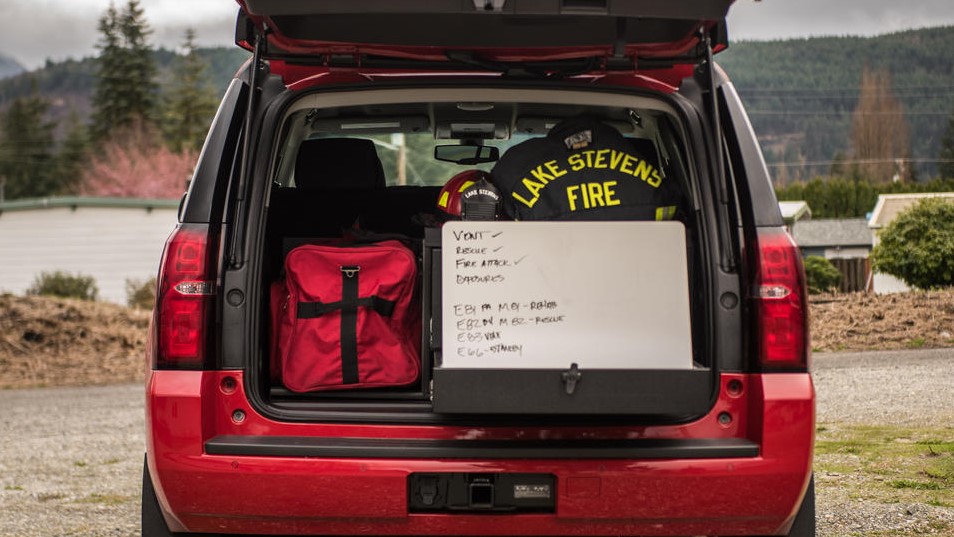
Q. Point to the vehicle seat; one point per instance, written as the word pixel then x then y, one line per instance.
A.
pixel 335 178
pixel 338 164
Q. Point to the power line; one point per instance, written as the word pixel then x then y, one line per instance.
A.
pixel 808 89
pixel 839 112
pixel 859 161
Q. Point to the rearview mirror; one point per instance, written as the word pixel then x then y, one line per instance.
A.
pixel 466 154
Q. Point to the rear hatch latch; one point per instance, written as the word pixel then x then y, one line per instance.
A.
pixel 571 377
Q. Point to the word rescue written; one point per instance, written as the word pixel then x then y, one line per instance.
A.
pixel 591 194
pixel 501 328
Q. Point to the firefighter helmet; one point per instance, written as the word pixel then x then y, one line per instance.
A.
pixel 470 195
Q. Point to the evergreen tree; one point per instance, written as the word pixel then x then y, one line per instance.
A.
pixel 26 149
pixel 107 103
pixel 191 101
pixel 140 68
pixel 946 155
pixel 72 156
pixel 125 92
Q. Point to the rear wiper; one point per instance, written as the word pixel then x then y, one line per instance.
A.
pixel 517 70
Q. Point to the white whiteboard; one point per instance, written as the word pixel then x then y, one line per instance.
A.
pixel 544 295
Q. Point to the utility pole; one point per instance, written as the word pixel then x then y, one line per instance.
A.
pixel 400 141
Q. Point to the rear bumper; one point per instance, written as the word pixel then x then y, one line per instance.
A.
pixel 213 474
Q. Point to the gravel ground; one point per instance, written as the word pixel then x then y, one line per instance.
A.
pixel 71 461
pixel 904 388
pixel 900 388
pixel 71 458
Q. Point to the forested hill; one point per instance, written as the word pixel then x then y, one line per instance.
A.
pixel 9 67
pixel 80 75
pixel 69 84
pixel 800 93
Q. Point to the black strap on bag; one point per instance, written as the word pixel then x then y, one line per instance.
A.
pixel 349 304
pixel 349 325
pixel 310 310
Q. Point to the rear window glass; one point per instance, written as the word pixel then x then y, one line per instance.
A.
pixel 404 136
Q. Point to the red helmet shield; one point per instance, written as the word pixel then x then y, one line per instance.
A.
pixel 449 199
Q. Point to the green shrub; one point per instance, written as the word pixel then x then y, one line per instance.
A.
pixel 851 197
pixel 141 295
pixel 822 276
pixel 918 246
pixel 64 285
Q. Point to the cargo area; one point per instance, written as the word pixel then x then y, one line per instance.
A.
pixel 595 314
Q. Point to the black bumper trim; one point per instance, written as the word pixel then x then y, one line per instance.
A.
pixel 387 448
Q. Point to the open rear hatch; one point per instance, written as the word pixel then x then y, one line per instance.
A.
pixel 463 31
pixel 579 367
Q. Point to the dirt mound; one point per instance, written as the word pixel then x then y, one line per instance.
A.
pixel 858 321
pixel 57 342
pixel 48 341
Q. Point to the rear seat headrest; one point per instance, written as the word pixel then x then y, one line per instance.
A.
pixel 338 163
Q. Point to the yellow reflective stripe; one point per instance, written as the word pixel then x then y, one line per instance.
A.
pixel 443 201
pixel 465 186
pixel 665 213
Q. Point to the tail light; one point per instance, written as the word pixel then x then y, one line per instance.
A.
pixel 184 299
pixel 780 304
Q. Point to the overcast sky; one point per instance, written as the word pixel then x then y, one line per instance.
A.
pixel 33 30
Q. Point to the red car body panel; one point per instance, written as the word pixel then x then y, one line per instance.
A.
pixel 212 493
pixel 302 77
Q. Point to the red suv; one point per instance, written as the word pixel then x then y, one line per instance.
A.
pixel 619 365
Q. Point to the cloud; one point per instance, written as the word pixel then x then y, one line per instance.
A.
pixel 51 33
pixel 219 32
pixel 32 31
pixel 781 19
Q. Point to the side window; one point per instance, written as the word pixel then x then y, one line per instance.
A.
pixel 206 197
pixel 750 178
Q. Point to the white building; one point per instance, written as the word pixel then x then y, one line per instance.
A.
pixel 794 211
pixel 110 239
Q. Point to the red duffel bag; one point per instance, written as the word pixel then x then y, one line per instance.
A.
pixel 351 318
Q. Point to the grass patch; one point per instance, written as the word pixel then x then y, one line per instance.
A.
pixel 80 464
pixel 105 499
pixel 887 464
pixel 13 487
pixel 937 445
pixel 916 485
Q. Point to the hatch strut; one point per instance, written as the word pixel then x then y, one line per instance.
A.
pixel 236 250
pixel 726 259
